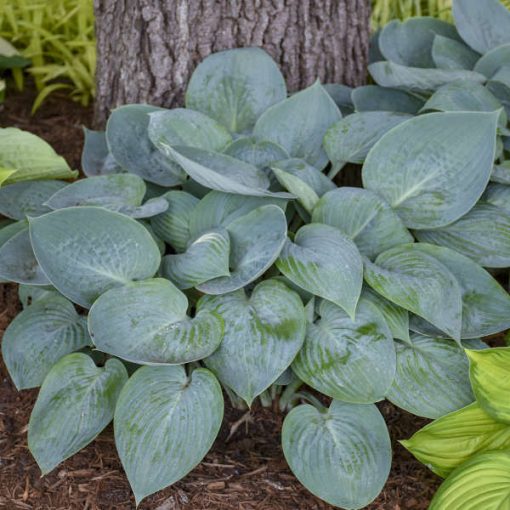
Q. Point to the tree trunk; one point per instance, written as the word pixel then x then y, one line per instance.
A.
pixel 147 49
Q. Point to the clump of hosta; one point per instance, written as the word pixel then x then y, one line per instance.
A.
pixel 210 248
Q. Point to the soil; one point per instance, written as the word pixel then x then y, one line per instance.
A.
pixel 245 469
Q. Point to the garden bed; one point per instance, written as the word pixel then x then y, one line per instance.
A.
pixel 244 470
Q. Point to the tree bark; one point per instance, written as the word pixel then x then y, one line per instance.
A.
pixel 147 49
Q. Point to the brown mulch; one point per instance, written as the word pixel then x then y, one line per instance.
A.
pixel 246 472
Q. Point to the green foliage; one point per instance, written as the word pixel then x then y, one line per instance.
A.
pixel 209 247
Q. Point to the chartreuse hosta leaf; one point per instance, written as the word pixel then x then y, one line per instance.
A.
pixel 485 304
pixel 409 43
pixel 350 139
pixel 363 217
pixel 326 263
pixel 146 323
pixel 299 123
pixel 22 199
pixel 483 235
pixel 489 376
pixel 302 180
pixel 450 54
pixel 416 79
pixel 29 158
pixel 5 173
pixel 39 336
pixel 129 143
pixel 342 454
pixel 123 193
pixel 165 423
pixel 419 283
pixel 84 251
pixel 76 402
pixel 351 360
pixel 483 24
pixel 263 334
pixel 432 377
pixel 481 482
pixel 372 98
pixel 433 168
pixel 235 87
pixel 96 158
pixel 449 441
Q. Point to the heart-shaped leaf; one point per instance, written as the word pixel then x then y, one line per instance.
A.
pixel 324 262
pixel 263 334
pixel 84 251
pixel 433 168
pixel 489 376
pixel 235 87
pixel 29 294
pixel 419 283
pixel 363 217
pixel 450 54
pixel 485 304
pixel 39 336
pixel 76 402
pixel 492 61
pixel 260 153
pixel 146 323
pixel 342 455
pixel 483 235
pixel 299 123
pixel 432 377
pixel 448 442
pixel 96 158
pixel 22 199
pixel 372 98
pixel 341 95
pixel 483 24
pixel 350 360
pixel 165 423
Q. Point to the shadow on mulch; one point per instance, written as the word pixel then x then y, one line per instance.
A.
pixel 247 472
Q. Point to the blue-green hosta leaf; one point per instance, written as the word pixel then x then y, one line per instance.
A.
pixel 18 262
pixel 372 98
pixel 220 172
pixel 299 123
pixel 388 74
pixel 489 377
pixel 173 225
pixel 259 153
pixel 165 423
pixel 450 54
pixel 432 377
pixel 483 481
pixel 29 294
pixel 363 217
pixel 326 263
pixel 84 251
pixel 22 199
pixel 11 229
pixel 499 85
pixel 96 159
pixel 342 455
pixel 341 95
pixel 302 180
pixel 76 402
pixel 129 144
pixel 374 52
pixel 485 304
pixel 39 336
pixel 433 168
pixel 186 128
pixel 146 323
pixel 148 209
pixel 235 87
pixel 419 283
pixel 492 61
pixel 446 443
pixel 409 42
pixel 501 173
pixel 396 317
pixel 350 139
pixel 498 195
pixel 351 360
pixel 256 240
pixel 483 24
pixel 29 158
pixel 207 257
pixel 483 235
pixel 263 334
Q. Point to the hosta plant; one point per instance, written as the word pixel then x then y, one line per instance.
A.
pixel 209 248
